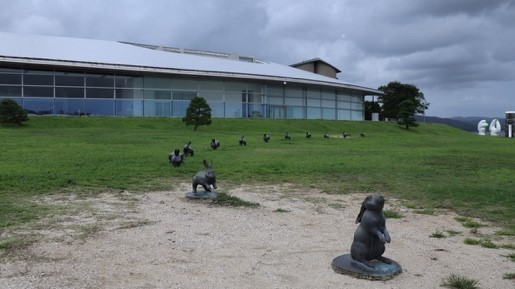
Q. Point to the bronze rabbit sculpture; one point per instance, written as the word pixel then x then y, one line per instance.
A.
pixel 371 235
pixel 205 178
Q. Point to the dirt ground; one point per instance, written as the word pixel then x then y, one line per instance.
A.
pixel 163 240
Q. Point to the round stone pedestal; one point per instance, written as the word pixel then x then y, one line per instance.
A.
pixel 344 264
pixel 201 195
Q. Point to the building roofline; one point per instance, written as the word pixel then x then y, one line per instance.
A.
pixel 113 55
pixel 197 52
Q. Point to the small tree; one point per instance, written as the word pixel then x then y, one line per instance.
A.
pixel 395 93
pixel 11 112
pixel 407 109
pixel 198 113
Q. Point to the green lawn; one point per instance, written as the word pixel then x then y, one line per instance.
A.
pixel 434 166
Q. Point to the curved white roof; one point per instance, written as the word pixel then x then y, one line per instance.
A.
pixel 61 51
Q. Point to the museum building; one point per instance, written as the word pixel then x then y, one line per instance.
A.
pixel 49 75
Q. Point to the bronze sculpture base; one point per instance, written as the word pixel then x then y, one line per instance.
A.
pixel 344 264
pixel 202 195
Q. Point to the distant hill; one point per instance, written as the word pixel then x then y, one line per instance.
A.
pixel 465 123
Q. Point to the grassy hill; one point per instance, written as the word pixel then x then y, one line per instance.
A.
pixel 432 165
pixel 465 123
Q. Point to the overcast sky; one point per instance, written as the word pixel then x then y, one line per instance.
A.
pixel 459 53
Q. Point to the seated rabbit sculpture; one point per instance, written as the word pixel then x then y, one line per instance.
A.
pixel 188 150
pixel 214 144
pixel 371 235
pixel 205 178
pixel 243 142
pixel 176 158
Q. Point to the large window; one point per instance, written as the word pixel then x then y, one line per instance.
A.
pixel 157 82
pixel 122 81
pixel 292 91
pixel 69 92
pixel 69 79
pixel 294 96
pixel 254 97
pixel 29 79
pixel 217 109
pixel 313 97
pixel 328 113
pixel 274 100
pixel 128 107
pixel 295 112
pixel 357 115
pixel 129 93
pixel 184 84
pixel 99 92
pixel 157 108
pixel 313 102
pixel 157 94
pixel 179 107
pixel 328 99
pixel 233 96
pixel 293 101
pixel 314 113
pixel 8 78
pixel 256 88
pixel 213 85
pixel 344 114
pixel 39 106
pixel 183 95
pixel 99 107
pixel 69 106
pixel 235 86
pixel 275 91
pixel 14 91
pixel 212 95
pixel 344 101
pixel 38 91
pixel 99 80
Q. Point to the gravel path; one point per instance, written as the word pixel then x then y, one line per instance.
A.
pixel 163 240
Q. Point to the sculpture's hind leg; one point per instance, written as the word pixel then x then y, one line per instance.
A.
pixel 206 187
pixel 194 186
pixel 359 254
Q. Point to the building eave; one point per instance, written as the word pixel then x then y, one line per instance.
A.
pixel 175 71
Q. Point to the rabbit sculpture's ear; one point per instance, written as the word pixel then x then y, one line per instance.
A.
pixel 362 210
pixel 206 165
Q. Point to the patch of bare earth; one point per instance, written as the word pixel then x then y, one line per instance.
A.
pixel 163 240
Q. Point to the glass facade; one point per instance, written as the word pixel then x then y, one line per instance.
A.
pixel 54 92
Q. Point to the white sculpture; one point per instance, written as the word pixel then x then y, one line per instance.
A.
pixel 495 127
pixel 481 127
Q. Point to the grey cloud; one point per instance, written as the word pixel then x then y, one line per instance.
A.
pixel 439 8
pixel 446 47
